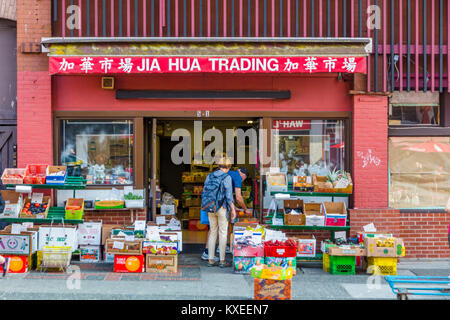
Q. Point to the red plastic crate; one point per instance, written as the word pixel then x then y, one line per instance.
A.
pixel 280 251
pixel 35 174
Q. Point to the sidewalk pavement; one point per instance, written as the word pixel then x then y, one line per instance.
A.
pixel 195 280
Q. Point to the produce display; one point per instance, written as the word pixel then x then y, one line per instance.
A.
pixel 132 196
pixel 13 176
pixel 385 242
pixel 278 243
pixel 272 273
pixel 30 209
pixel 335 181
pixel 109 204
pixel 302 183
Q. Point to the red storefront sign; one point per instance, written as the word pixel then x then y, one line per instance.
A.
pixel 136 65
pixel 291 124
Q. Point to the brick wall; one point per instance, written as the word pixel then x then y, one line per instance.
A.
pixel 115 216
pixel 425 234
pixel 370 151
pixel 34 113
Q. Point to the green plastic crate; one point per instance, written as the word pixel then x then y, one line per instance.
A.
pixel 345 265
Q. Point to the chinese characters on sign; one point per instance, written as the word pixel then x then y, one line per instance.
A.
pixel 108 65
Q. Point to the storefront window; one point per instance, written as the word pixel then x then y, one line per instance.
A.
pixel 303 147
pixel 414 115
pixel 419 172
pixel 100 151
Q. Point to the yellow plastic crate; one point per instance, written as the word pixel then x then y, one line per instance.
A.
pixel 382 266
pixel 326 262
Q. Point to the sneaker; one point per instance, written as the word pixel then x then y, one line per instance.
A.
pixel 205 257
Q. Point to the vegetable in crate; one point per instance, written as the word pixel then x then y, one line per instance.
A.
pixel 131 196
pixel 336 175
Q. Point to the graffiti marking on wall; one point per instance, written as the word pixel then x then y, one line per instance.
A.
pixel 369 158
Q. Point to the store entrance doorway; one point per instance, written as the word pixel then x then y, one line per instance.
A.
pixel 180 156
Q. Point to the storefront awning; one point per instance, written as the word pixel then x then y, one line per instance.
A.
pixel 206 55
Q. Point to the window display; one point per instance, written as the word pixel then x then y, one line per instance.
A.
pixel 419 172
pixel 100 151
pixel 305 147
pixel 414 115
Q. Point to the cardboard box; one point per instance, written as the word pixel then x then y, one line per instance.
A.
pixel 284 262
pixel 129 263
pixel 272 289
pixel 335 214
pixel 302 184
pixel 119 247
pixel 241 225
pixel 54 179
pixel 276 182
pixel 106 231
pixel 306 246
pixel 161 263
pixel 175 236
pixel 13 204
pixel 76 214
pixel 58 235
pixel 25 243
pixel 195 225
pixel 45 200
pixel 90 254
pixel 194 212
pixel 248 220
pixel 243 265
pixel 162 248
pixel 18 173
pixel 313 208
pixel 370 244
pixel 352 251
pixel 248 250
pixel 90 233
pixel 108 257
pixel 314 215
pixel 293 204
pixel 17 264
pixel 294 219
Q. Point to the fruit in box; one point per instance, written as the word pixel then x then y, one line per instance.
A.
pixel 30 210
pixel 109 204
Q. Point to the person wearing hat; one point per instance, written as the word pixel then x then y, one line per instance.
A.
pixel 237 178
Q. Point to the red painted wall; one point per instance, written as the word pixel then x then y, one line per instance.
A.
pixel 370 151
pixel 78 93
pixel 34 118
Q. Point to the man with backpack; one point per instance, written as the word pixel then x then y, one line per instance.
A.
pixel 217 202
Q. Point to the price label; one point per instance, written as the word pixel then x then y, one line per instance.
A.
pixel 37 198
pixel 160 220
pixel 16 228
pixel 118 245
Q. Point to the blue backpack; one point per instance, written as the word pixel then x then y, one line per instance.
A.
pixel 210 193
